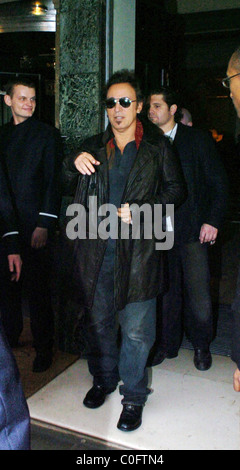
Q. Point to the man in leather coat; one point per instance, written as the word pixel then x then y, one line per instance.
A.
pixel 128 165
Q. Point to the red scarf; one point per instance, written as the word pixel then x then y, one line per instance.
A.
pixel 138 135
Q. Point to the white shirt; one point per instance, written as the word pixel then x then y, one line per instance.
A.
pixel 172 133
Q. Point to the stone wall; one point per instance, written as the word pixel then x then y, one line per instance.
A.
pixel 80 68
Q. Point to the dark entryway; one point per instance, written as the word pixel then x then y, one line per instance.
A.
pixel 30 54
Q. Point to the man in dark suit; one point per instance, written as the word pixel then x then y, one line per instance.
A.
pixel 30 157
pixel 197 223
pixel 232 81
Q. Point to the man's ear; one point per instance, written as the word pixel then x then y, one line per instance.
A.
pixel 139 107
pixel 173 109
pixel 7 100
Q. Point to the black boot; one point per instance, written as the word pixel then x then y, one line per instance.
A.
pixel 202 359
pixel 130 418
pixel 95 397
pixel 42 361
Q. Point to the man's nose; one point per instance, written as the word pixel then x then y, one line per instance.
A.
pixel 118 107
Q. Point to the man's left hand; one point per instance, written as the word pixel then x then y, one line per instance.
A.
pixel 39 238
pixel 125 213
pixel 208 233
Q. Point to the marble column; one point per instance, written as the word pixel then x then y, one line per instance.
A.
pixel 80 68
pixel 80 76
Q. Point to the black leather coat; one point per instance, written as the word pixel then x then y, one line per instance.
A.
pixel 156 177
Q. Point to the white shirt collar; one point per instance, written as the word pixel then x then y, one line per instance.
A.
pixel 172 132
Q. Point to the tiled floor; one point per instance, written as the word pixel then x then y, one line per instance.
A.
pixel 188 410
pixel 25 354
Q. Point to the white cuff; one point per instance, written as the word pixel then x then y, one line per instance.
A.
pixel 10 233
pixel 48 215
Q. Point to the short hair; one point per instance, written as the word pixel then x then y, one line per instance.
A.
pixel 170 97
pixel 125 76
pixel 235 59
pixel 9 87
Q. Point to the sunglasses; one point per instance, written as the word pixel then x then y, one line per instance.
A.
pixel 124 102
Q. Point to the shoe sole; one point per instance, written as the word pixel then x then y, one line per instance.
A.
pixel 202 369
pixel 93 406
pixel 171 356
pixel 198 367
pixel 156 362
pixel 129 430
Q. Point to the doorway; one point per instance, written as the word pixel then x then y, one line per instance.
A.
pixel 32 55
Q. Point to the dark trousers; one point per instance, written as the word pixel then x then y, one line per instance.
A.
pixel 34 287
pixel 107 362
pixel 187 305
pixel 14 414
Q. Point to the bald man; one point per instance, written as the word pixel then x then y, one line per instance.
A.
pixel 186 117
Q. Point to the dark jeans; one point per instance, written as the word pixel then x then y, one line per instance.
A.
pixel 14 414
pixel 35 286
pixel 109 363
pixel 187 305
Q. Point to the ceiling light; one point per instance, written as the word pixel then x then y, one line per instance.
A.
pixel 38 8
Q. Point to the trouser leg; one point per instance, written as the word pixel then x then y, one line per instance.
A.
pixel 37 277
pixel 198 305
pixel 101 331
pixel 138 327
pixel 10 301
pixel 14 414
pixel 171 313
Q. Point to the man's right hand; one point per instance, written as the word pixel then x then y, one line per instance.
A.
pixel 84 163
pixel 39 238
pixel 15 266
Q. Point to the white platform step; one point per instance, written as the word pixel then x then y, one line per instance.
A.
pixel 188 409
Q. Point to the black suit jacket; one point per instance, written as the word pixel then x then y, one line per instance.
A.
pixel 206 183
pixel 8 221
pixel 31 158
